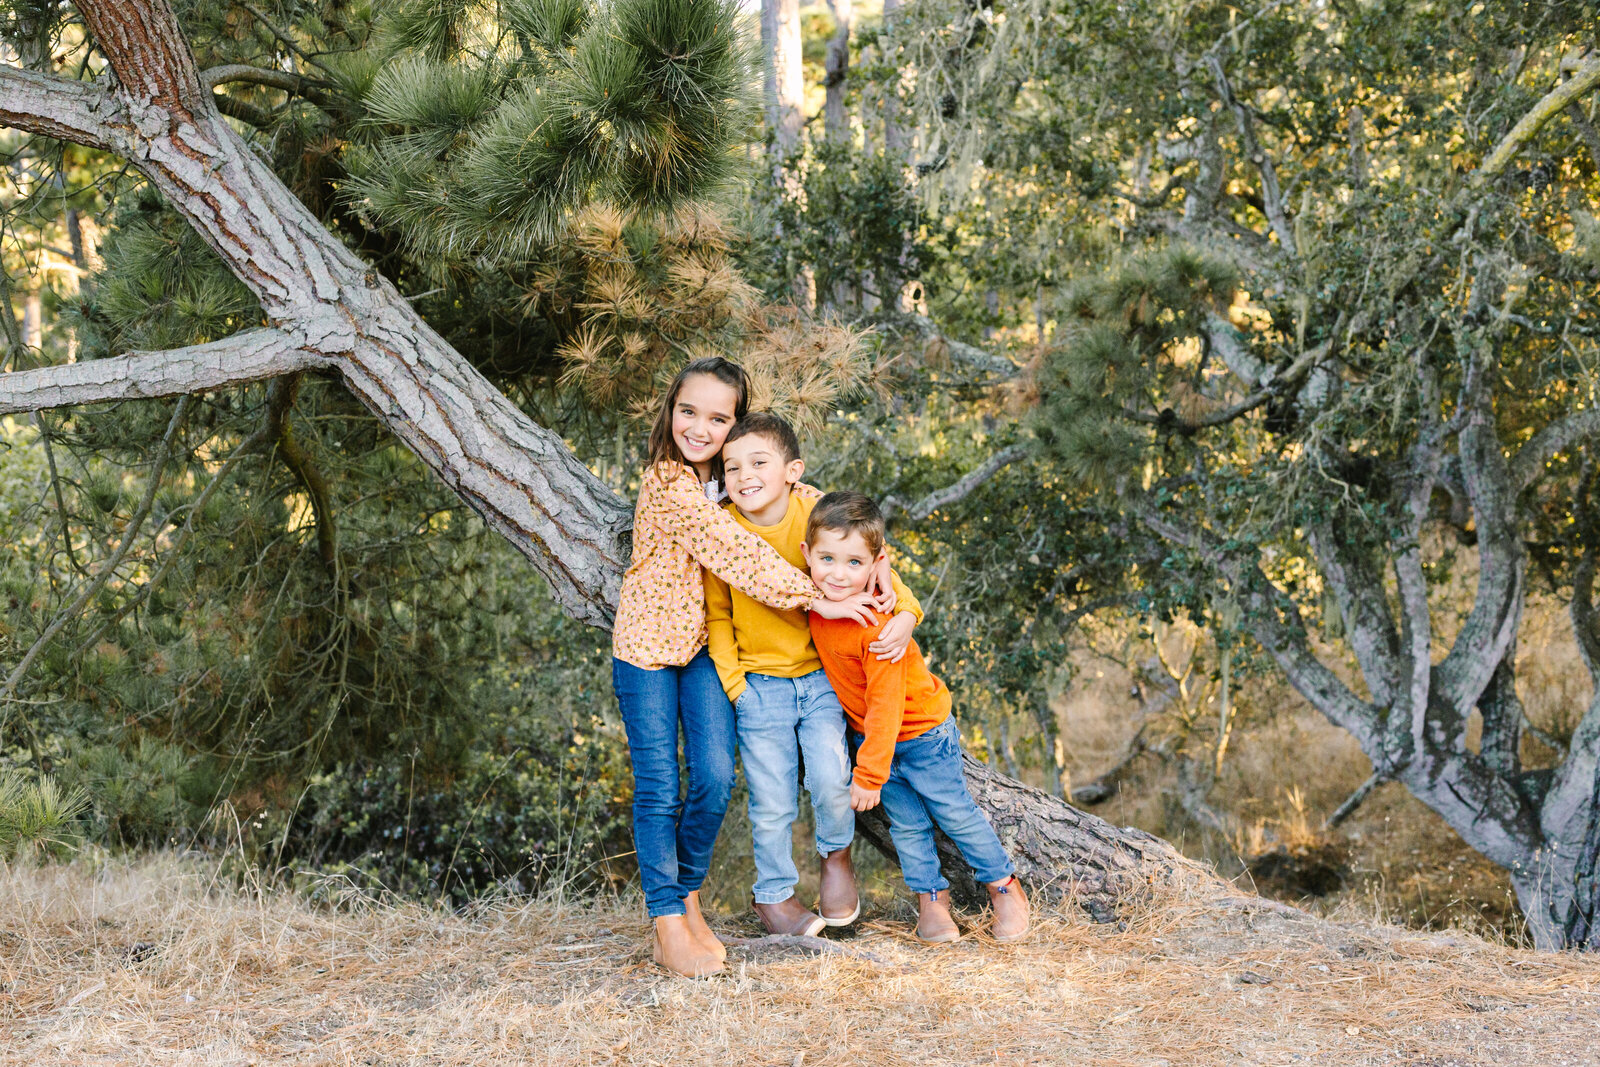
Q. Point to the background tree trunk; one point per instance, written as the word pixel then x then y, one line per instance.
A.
pixel 837 70
pixel 784 80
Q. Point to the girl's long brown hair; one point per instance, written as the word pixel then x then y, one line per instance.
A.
pixel 663 449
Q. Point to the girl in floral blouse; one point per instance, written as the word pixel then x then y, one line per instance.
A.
pixel 660 669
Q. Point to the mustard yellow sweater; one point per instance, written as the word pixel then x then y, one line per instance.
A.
pixel 745 635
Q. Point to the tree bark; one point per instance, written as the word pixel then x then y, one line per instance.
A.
pixel 895 141
pixel 326 309
pixel 244 357
pixel 784 82
pixel 1061 852
pixel 836 119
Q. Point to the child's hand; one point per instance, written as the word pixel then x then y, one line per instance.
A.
pixel 863 799
pixel 894 638
pixel 857 607
pixel 882 585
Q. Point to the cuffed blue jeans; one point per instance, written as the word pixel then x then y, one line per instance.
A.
pixel 673 837
pixel 926 788
pixel 779 720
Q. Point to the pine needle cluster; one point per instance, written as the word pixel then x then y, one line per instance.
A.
pixel 490 127
pixel 644 295
pixel 36 814
pixel 1131 342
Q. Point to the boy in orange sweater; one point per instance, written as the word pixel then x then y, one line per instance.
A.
pixel 909 754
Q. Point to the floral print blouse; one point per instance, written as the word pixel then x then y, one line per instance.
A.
pixel 678 533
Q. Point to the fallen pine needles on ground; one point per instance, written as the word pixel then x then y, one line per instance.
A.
pixel 150 962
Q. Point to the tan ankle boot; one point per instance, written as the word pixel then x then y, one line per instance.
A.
pixel 678 951
pixel 840 904
pixel 1011 910
pixel 934 923
pixel 700 928
pixel 789 917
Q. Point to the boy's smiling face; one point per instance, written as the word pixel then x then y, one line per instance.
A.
pixel 841 563
pixel 758 478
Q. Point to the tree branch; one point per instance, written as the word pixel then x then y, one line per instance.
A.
pixel 1228 344
pixel 1554 102
pixel 1353 801
pixel 1357 581
pixel 1271 194
pixel 281 396
pixel 81 112
pixel 971 355
pixel 957 490
pixel 1486 638
pixel 146 48
pixel 1527 466
pixel 212 77
pixel 90 588
pixel 298 84
pixel 1282 635
pixel 245 112
pixel 245 357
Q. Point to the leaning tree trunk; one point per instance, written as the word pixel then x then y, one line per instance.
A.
pixel 328 311
pixel 1061 852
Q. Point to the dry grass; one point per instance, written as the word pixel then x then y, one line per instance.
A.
pixel 151 963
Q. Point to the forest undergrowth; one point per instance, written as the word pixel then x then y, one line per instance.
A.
pixel 1286 770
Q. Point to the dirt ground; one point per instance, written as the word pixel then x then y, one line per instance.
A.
pixel 154 963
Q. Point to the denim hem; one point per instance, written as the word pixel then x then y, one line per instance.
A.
pixel 654 914
pixel 825 850
pixel 787 893
pixel 940 888
pixel 1005 873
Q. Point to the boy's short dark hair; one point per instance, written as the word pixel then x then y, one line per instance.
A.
pixel 847 513
pixel 773 427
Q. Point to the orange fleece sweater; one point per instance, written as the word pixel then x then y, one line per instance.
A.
pixel 886 702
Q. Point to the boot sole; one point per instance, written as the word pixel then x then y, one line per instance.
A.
pixel 942 939
pixel 846 921
pixel 810 929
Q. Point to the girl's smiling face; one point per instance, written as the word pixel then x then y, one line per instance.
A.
pixel 702 415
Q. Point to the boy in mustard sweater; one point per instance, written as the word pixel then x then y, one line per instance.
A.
pixel 784 708
pixel 909 753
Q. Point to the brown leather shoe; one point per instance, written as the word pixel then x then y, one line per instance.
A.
pixel 934 924
pixel 1010 910
pixel 840 904
pixel 677 950
pixel 700 928
pixel 789 917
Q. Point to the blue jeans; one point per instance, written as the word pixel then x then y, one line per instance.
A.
pixel 673 837
pixel 926 788
pixel 778 720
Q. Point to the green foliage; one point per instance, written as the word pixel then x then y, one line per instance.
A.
pixel 640 103
pixel 551 25
pixel 545 803
pixel 849 216
pixel 37 816
pixel 153 793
